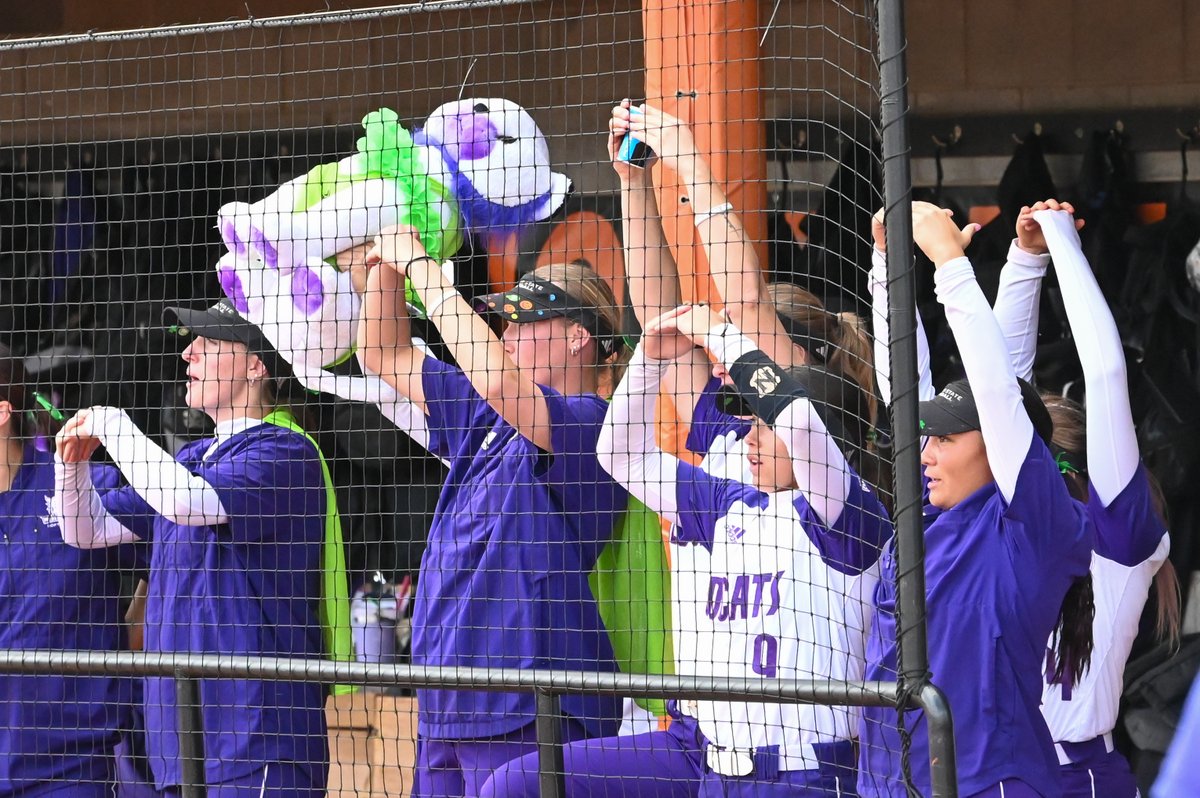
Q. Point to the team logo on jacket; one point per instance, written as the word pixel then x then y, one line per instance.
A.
pixel 49 519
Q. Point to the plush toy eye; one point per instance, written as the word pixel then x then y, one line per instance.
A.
pixel 505 139
pixel 480 108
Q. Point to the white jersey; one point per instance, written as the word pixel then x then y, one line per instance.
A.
pixel 766 605
pixel 1127 531
pixel 1091 709
pixel 726 459
pixel 757 600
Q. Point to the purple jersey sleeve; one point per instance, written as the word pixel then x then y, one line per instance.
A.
pixel 1129 530
pixel 131 511
pixel 703 499
pixel 452 404
pixel 279 476
pixel 709 423
pixel 1043 520
pixel 854 541
pixel 573 471
pixel 123 502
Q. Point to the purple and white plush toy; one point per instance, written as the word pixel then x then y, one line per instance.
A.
pixel 477 167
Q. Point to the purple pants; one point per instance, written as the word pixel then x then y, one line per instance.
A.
pixel 457 768
pixel 1009 788
pixel 660 763
pixel 84 790
pixel 133 772
pixel 1096 772
pixel 273 780
pixel 836 777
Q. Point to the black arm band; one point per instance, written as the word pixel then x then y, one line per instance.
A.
pixel 766 387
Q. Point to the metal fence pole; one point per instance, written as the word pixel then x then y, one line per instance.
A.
pixel 910 548
pixel 551 777
pixel 191 736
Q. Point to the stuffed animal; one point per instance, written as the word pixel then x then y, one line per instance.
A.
pixel 477 167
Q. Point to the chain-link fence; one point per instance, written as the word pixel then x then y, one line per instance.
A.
pixel 457 509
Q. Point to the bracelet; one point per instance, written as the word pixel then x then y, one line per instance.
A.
pixel 701 218
pixel 420 258
pixel 447 295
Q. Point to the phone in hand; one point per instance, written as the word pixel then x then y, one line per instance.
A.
pixel 634 151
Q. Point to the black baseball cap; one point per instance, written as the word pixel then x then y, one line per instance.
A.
pixel 954 410
pixel 222 322
pixel 535 299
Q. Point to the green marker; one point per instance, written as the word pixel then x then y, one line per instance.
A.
pixel 49 407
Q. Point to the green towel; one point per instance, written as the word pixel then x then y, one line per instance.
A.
pixel 334 609
pixel 632 586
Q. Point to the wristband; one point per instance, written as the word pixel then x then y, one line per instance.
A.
pixel 447 295
pixel 766 387
pixel 723 208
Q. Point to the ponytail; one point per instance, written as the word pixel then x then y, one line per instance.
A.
pixel 1168 598
pixel 854 355
pixel 1072 641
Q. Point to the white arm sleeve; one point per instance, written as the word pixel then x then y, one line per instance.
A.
pixel 883 354
pixel 627 448
pixel 1017 306
pixel 170 489
pixel 1111 439
pixel 1007 430
pixel 82 519
pixel 821 470
pixel 370 389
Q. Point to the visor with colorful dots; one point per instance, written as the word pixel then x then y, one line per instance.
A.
pixel 535 299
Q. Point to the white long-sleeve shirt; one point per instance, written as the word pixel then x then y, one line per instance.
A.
pixel 168 487
pixel 1007 430
pixel 878 282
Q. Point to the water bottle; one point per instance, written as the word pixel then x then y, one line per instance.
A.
pixel 373 621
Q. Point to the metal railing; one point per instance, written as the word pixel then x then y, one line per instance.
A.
pixel 547 685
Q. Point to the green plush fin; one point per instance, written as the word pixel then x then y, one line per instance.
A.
pixel 389 152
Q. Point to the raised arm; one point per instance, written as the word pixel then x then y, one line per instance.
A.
pixel 627 449
pixel 399 410
pixel 476 349
pixel 1017 299
pixel 82 519
pixel 732 261
pixel 650 268
pixel 1007 430
pixel 881 328
pixel 1111 439
pixel 384 345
